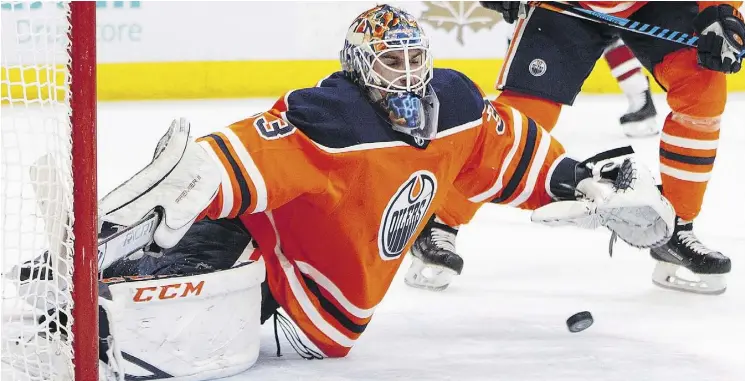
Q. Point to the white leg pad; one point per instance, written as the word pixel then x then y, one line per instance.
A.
pixel 183 328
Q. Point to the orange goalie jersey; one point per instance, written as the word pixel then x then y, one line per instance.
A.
pixel 334 197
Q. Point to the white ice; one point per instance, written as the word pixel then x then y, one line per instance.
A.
pixel 503 318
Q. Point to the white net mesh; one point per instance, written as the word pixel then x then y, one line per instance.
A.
pixel 37 210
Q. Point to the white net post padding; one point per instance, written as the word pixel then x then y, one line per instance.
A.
pixel 37 192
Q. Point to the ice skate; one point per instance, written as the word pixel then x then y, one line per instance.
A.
pixel 640 120
pixel 686 251
pixel 434 262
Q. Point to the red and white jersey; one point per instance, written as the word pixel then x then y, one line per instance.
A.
pixel 334 196
pixel 616 8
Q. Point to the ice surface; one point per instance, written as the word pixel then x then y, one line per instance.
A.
pixel 503 318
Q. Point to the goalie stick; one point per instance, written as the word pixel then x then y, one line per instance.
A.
pixel 116 242
pixel 620 22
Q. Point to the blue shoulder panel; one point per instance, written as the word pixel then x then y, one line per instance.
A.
pixel 337 114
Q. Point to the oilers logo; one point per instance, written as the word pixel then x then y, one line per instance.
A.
pixel 404 213
pixel 537 67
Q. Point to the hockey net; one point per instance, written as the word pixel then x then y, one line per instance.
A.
pixel 48 190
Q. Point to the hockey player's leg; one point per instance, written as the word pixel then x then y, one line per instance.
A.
pixel 691 132
pixel 687 154
pixel 193 313
pixel 201 301
pixel 160 315
pixel 688 144
pixel 639 120
pixel 542 110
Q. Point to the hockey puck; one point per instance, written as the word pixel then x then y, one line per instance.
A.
pixel 579 321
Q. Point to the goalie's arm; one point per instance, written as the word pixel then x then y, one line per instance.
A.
pixel 515 162
pixel 264 162
pixel 511 162
pixel 254 165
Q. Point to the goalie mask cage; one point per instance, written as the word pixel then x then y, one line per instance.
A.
pixel 49 253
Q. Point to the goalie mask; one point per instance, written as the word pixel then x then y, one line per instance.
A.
pixel 387 54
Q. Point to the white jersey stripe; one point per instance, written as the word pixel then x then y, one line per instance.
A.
pixel 302 298
pixel 535 170
pixel 251 168
pixel 226 185
pixel 334 290
pixel 517 127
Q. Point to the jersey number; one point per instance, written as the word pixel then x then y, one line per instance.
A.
pixel 273 130
pixel 492 113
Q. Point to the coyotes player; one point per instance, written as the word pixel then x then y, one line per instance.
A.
pixel 640 117
pixel 335 181
pixel 694 79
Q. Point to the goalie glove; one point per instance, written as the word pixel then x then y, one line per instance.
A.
pixel 618 194
pixel 179 183
pixel 721 34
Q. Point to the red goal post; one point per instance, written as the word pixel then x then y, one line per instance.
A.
pixel 49 191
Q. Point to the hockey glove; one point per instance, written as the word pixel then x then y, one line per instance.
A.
pixel 619 194
pixel 510 10
pixel 721 34
pixel 181 181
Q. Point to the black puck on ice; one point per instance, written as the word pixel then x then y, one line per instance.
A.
pixel 579 321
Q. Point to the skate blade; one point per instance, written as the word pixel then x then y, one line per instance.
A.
pixel 641 129
pixel 668 275
pixel 427 276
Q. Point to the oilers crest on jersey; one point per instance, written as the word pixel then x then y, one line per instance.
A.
pixel 405 212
